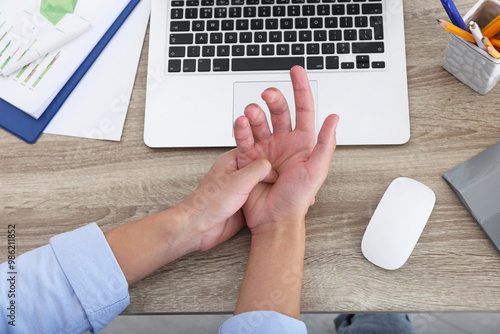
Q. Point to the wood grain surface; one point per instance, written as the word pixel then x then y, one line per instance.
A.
pixel 61 183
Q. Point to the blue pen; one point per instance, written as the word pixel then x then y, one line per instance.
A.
pixel 453 14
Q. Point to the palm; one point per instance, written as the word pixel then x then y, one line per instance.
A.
pixel 300 163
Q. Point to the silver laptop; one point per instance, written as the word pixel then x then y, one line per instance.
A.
pixel 208 59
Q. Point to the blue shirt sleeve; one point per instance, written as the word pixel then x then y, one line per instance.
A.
pixel 262 322
pixel 72 285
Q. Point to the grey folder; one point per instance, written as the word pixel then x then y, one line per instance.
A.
pixel 476 182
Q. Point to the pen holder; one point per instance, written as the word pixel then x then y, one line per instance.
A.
pixel 468 62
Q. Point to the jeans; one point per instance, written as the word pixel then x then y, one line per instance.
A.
pixel 373 324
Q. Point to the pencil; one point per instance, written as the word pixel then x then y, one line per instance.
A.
pixel 456 30
pixel 495 41
pixel 490 49
pixel 492 28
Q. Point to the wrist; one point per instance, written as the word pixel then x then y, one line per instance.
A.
pixel 284 230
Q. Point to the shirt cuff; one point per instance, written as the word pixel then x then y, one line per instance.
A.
pixel 263 322
pixel 93 272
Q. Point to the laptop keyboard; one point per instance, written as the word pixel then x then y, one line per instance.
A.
pixel 208 36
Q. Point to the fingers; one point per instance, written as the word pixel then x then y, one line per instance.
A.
pixel 248 177
pixel 243 135
pixel 258 122
pixel 322 153
pixel 278 108
pixel 304 102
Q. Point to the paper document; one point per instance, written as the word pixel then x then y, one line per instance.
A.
pixel 33 87
pixel 97 107
pixel 31 29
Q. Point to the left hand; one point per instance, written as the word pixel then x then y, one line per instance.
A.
pixel 213 210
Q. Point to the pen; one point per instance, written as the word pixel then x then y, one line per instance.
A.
pixel 456 30
pixel 453 14
pixel 492 28
pixel 478 36
pixel 490 48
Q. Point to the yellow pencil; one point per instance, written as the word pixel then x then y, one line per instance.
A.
pixel 492 28
pixel 456 30
pixel 495 41
pixel 490 49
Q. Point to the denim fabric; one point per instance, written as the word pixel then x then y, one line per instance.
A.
pixel 373 324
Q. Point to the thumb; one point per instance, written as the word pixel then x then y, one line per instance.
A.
pixel 257 171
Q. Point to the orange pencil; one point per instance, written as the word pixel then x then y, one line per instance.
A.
pixel 495 41
pixel 492 28
pixel 456 30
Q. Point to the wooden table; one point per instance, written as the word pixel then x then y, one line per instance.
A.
pixel 61 183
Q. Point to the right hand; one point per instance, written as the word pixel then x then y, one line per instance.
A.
pixel 301 163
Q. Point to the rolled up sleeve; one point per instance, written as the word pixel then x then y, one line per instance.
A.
pixel 72 285
pixel 262 322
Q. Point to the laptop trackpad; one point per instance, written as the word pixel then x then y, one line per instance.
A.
pixel 249 92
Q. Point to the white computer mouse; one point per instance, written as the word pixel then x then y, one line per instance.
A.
pixel 397 223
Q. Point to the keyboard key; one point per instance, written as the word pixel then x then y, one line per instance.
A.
pixel 353 9
pixel 290 36
pixel 316 22
pixel 365 34
pixel 268 50
pixel 350 35
pixel 314 63
pixel 312 49
pixel 367 47
pixel 308 10
pixel 343 48
pixel 208 51
pixel 260 37
pixel 347 65
pixel 201 38
pixel 189 65
pixel 378 28
pixel 361 21
pixel 221 65
pixel 177 14
pixel 331 22
pixel 216 38
pixel 249 11
pixel 323 10
pixel 332 63
pixel 279 11
pixel 283 49
pixel 327 48
pixel 372 8
pixel 271 24
pixel 206 13
pixel 300 23
pixel 177 3
pixel 275 36
pixel 335 35
pixel 242 24
pixel 264 11
pixel 223 50
pixel 237 2
pixel 245 37
pixel 338 10
pixel 362 62
pixel 191 13
pixel 221 12
pixel 265 64
pixel 305 35
pixel 238 50
pixel 253 50
pixel 179 26
pixel 204 65
pixel 346 22
pixel 293 10
pixel 207 2
pixel 320 35
pixel 176 51
pixel 257 24
pixel 378 64
pixel 235 12
pixel 212 25
pixel 192 3
pixel 227 24
pixel 297 49
pixel 181 38
pixel 230 37
pixel 286 24
pixel 198 25
pixel 174 65
pixel 193 51
pixel 252 2
pixel 222 2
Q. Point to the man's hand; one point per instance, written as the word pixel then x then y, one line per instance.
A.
pixel 301 163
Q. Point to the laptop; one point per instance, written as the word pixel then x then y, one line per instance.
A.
pixel 208 59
